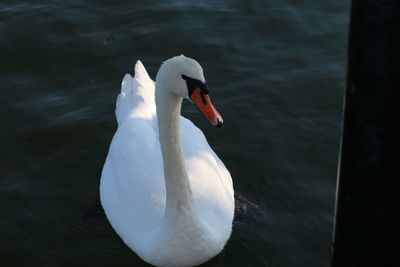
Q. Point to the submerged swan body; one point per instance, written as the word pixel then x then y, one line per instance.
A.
pixel 164 190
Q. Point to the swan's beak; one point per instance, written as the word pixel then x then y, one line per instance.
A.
pixel 203 103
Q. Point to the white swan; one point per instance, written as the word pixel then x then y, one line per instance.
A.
pixel 164 190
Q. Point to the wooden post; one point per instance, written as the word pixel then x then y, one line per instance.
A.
pixel 367 224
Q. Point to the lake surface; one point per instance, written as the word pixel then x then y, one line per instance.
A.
pixel 276 72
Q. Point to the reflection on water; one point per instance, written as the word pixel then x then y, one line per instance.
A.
pixel 276 70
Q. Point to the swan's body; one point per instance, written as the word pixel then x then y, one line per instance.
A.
pixel 163 189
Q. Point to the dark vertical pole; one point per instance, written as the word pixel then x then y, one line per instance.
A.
pixel 367 228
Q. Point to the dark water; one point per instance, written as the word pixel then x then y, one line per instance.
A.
pixel 276 70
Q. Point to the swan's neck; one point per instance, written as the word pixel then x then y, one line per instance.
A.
pixel 178 192
pixel 180 211
pixel 182 231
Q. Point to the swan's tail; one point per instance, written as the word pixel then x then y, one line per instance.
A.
pixel 137 94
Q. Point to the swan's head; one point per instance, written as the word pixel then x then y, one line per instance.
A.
pixel 183 77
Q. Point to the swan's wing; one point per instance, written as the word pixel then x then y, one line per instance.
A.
pixel 132 183
pixel 137 95
pixel 210 181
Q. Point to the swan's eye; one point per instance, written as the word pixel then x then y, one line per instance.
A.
pixel 193 84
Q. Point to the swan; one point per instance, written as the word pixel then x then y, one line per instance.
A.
pixel 163 189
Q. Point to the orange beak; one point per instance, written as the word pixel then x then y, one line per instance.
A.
pixel 203 103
